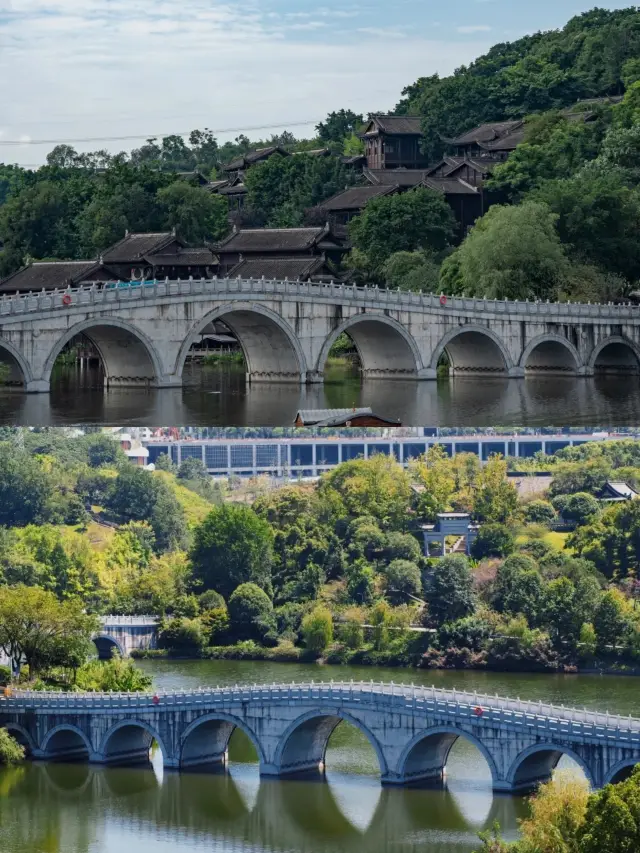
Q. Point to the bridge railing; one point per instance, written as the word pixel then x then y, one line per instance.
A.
pixel 417 699
pixel 126 621
pixel 101 294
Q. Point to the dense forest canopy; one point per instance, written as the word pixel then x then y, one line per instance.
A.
pixel 537 73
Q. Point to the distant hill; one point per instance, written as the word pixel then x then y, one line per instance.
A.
pixel 540 72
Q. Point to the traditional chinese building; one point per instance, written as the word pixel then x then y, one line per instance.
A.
pixel 276 244
pixel 394 141
pixel 54 275
pixel 158 255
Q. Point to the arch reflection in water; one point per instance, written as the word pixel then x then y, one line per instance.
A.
pixel 130 809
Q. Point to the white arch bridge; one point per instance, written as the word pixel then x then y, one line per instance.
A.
pixel 411 730
pixel 144 331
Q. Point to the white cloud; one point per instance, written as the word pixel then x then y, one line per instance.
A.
pixel 474 28
pixel 82 68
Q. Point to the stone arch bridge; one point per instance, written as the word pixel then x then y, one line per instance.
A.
pixel 411 730
pixel 144 331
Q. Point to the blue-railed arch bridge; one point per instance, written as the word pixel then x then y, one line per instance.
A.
pixel 143 332
pixel 411 730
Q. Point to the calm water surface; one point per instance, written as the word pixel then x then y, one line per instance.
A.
pixel 74 808
pixel 221 397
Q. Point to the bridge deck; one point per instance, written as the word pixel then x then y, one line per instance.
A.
pixel 482 707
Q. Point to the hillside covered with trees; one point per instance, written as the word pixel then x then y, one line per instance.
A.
pixel 333 571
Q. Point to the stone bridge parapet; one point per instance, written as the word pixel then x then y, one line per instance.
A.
pixel 411 730
pixel 143 332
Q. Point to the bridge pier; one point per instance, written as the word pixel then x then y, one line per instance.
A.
pixel 37 386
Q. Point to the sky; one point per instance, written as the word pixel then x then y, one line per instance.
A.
pixel 86 71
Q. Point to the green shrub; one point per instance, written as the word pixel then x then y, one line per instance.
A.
pixel 185 635
pixel 10 750
pixel 317 630
pixel 251 613
pixel 122 676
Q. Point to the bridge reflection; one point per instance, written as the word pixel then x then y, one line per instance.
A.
pixel 75 805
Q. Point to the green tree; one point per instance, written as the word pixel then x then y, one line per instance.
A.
pixel 197 216
pixel 25 489
pixel 103 450
pixel 511 253
pixel 36 629
pixel 495 498
pixel 598 217
pixel 403 579
pixel 317 630
pixel 232 546
pixel 580 507
pixel 251 613
pixel 339 125
pixel 360 579
pixel 186 635
pixel 612 819
pixel 417 220
pixel 378 487
pixel 493 540
pixel 518 588
pixel 412 271
pixel 539 512
pixel 451 594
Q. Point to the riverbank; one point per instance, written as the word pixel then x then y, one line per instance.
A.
pixel 288 653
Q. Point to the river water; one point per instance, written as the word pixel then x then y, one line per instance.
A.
pixel 220 396
pixel 74 808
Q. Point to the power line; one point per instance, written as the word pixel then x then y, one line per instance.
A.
pixel 18 142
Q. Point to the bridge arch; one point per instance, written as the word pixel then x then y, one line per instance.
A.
pixel 550 354
pixel 129 742
pixel 621 771
pixel 106 645
pixel 384 345
pixel 473 349
pixel 21 734
pixel 425 756
pixel 536 764
pixel 271 348
pixel 205 741
pixel 129 357
pixel 18 368
pixel 303 746
pixel 66 742
pixel 616 354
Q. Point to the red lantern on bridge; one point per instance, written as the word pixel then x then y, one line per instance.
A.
pixel 156 699
pixel 478 711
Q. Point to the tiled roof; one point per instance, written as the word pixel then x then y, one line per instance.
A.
pixel 134 247
pixel 506 143
pixel 395 177
pixel 450 186
pixel 295 269
pixel 397 125
pixel 183 258
pixel 357 197
pixel 486 133
pixel 482 166
pixel 252 157
pixel 272 239
pixel 48 275
pixel 233 189
pixel 335 417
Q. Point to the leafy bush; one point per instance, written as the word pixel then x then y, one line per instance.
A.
pixel 403 579
pixel 119 675
pixel 317 630
pixel 539 512
pixel 251 613
pixel 185 635
pixel 493 540
pixel 10 750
